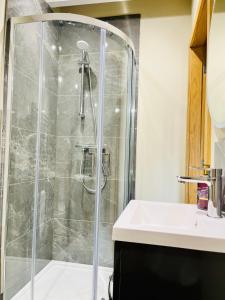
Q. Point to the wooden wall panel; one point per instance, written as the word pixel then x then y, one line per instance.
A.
pixel 198 119
pixel 199 34
pixel 206 127
pixel 194 121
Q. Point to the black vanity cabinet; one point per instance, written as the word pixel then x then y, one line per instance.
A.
pixel 162 273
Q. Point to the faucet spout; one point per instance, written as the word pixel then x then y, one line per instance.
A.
pixel 214 183
pixel 186 179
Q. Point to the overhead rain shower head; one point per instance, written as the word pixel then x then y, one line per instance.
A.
pixel 82 45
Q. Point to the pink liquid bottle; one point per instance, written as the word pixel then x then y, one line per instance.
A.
pixel 203 189
pixel 202 196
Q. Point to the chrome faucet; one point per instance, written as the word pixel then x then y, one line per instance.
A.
pixel 214 183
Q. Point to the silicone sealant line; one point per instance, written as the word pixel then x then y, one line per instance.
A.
pixel 99 164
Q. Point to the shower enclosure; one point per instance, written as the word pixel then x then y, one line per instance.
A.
pixel 70 109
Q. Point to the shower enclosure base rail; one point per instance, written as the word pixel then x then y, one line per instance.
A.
pixel 64 280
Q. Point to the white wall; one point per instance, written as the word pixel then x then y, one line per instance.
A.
pixel 162 107
pixel 195 4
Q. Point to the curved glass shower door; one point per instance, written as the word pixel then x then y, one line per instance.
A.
pixel 67 152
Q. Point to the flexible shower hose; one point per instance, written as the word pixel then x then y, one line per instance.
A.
pixel 88 189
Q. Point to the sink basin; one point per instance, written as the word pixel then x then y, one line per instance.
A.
pixel 170 224
pixel 155 214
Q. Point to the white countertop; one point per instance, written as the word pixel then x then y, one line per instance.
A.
pixel 170 224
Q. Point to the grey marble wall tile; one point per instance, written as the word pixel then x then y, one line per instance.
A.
pixel 70 76
pixel 68 71
pixel 105 245
pixel 73 241
pixel 21 247
pixel 26 7
pixel 116 63
pixel 20 8
pixel 27 49
pixel 51 36
pixel 18 273
pixel 115 43
pixel 20 210
pixel 130 25
pixel 109 202
pixel 72 201
pixel 73 32
pixel 47 156
pixel 66 150
pixel 116 72
pixel 69 122
pixel 24 102
pixel 19 258
pixel 44 243
pixel 43 6
pixel 45 201
pixel 22 155
pixel 50 72
pixel 67 115
pixel 49 112
pixel 114 109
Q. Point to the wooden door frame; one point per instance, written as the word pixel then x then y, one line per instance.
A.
pixel 198 137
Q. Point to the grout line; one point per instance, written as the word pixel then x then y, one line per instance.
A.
pixel 30 181
pixel 28 231
pixel 34 132
pixel 85 221
pixel 74 178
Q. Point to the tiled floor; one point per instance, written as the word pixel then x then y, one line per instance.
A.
pixel 66 281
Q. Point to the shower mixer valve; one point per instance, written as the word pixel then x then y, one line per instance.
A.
pixel 88 168
pixel 105 162
pixel 89 162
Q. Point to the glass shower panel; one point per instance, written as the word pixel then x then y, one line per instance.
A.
pixel 45 158
pixel 68 158
pixel 23 90
pixel 115 142
pixel 68 154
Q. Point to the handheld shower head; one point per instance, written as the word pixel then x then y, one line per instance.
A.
pixel 82 45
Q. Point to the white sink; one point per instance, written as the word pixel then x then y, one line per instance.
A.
pixel 154 214
pixel 170 224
